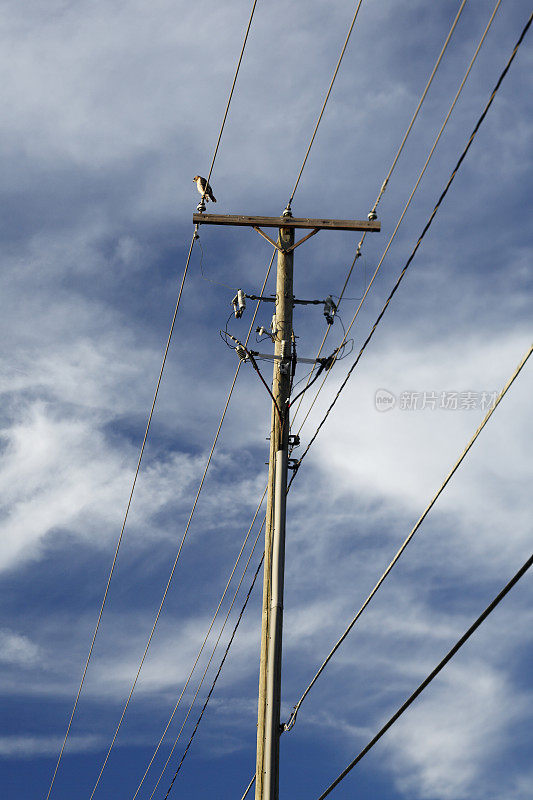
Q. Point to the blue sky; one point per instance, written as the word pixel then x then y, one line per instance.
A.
pixel 110 109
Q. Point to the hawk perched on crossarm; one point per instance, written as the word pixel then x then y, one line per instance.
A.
pixel 204 188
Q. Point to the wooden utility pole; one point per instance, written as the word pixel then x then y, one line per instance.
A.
pixel 268 722
pixel 268 717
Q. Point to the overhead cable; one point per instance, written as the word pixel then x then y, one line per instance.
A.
pixel 167 587
pixel 421 237
pixel 252 781
pixel 250 784
pixel 147 427
pixel 326 101
pixel 406 207
pixel 200 684
pixel 216 677
pixel 397 156
pixel 449 655
pixel 206 638
pixel 231 91
pixel 386 181
pixel 292 719
pixel 119 541
pixel 419 522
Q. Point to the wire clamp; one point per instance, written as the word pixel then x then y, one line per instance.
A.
pixel 286 726
pixel 293 463
pixel 294 440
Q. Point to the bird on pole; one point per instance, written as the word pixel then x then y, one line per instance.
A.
pixel 204 188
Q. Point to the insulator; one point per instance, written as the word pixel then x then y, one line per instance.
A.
pixel 329 309
pixel 239 304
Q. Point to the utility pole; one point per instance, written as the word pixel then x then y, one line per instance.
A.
pixel 268 721
pixel 268 717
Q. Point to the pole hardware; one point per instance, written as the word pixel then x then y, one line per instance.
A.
pixel 294 440
pixel 239 304
pixel 274 357
pixel 330 309
pixel 263 332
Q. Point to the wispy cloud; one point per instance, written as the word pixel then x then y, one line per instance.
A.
pixel 109 104
pixel 39 746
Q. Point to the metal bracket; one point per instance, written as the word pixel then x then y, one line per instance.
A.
pixel 285 249
pixel 294 440
pixel 293 463
pixel 301 241
pixel 286 358
pixel 264 235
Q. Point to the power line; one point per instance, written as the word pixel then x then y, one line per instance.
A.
pixel 252 781
pixel 167 587
pixel 397 156
pixel 147 429
pixel 210 660
pixel 206 638
pixel 405 209
pixel 391 170
pixel 119 541
pixel 231 91
pixel 325 102
pixel 216 677
pixel 290 723
pixel 449 655
pixel 451 473
pixel 381 192
pixel 421 237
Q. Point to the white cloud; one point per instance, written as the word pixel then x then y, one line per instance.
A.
pixel 53 471
pixel 402 457
pixel 17 649
pixel 443 747
pixel 32 746
pixel 62 474
pixel 109 104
